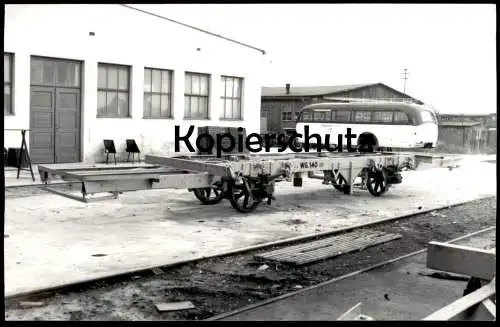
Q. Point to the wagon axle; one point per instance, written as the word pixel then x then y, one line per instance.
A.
pixel 244 193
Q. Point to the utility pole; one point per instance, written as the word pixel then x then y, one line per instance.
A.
pixel 404 76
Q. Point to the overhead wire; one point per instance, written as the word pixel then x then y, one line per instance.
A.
pixel 193 27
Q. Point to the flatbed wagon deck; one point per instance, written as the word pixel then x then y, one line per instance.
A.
pixel 246 180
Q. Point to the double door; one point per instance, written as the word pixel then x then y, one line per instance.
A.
pixel 55 111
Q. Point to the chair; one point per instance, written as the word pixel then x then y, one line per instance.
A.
pixel 109 148
pixel 132 148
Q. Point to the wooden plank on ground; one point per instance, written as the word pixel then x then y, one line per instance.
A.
pixel 329 247
pixel 174 306
pixel 491 307
pixel 462 260
pixel 353 313
pixel 457 309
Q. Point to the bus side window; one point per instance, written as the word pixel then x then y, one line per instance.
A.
pixel 382 116
pixel 341 116
pixel 401 117
pixel 322 115
pixel 307 116
pixel 362 116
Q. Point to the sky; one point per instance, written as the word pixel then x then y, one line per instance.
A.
pixel 449 50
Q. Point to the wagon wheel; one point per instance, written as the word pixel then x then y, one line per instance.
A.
pixel 340 184
pixel 376 183
pixel 208 195
pixel 241 198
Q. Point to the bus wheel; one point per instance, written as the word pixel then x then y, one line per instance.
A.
pixel 376 183
pixel 367 142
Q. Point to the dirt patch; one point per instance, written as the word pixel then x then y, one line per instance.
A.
pixel 293 222
pixel 220 285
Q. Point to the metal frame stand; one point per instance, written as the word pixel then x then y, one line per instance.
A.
pixel 24 149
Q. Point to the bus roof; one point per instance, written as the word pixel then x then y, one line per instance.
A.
pixel 410 109
pixel 405 107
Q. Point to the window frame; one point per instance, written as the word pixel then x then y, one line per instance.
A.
pixel 288 113
pixel 223 97
pixel 317 111
pixel 380 122
pixel 286 108
pixel 161 93
pixel 355 120
pixel 190 95
pixel 54 82
pixel 117 90
pixel 10 83
pixel 306 116
pixel 335 120
pixel 408 121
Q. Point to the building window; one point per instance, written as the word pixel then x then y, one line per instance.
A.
pixel 196 95
pixel 113 91
pixel 286 115
pixel 55 72
pixel 157 93
pixel 231 97
pixel 382 116
pixel 286 112
pixel 7 82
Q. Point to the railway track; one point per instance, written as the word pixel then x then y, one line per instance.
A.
pixel 337 279
pixel 233 280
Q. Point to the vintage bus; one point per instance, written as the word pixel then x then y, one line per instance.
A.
pixel 377 125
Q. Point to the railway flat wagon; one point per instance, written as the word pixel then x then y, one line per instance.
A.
pixel 246 180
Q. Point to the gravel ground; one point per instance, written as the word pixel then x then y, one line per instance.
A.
pixel 220 285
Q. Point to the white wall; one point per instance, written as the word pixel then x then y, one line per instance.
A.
pixel 124 36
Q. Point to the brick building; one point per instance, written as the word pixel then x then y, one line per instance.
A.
pixel 280 105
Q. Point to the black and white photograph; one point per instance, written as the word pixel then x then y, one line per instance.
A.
pixel 250 162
